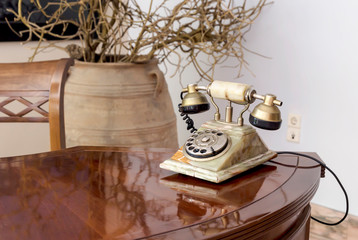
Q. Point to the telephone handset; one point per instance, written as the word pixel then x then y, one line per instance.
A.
pixel 221 149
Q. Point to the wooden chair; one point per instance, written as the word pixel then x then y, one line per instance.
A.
pixel 41 80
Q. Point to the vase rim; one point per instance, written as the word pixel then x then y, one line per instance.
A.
pixel 151 61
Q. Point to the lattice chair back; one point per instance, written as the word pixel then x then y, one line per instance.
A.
pixel 31 85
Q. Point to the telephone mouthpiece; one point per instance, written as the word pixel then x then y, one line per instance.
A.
pixel 266 115
pixel 263 124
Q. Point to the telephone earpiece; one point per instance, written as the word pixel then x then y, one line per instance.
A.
pixel 194 101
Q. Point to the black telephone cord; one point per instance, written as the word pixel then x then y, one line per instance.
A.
pixel 337 179
pixel 189 122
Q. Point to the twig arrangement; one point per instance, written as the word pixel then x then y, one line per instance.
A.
pixel 126 31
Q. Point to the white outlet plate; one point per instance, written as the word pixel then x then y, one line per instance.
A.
pixel 294 120
pixel 293 134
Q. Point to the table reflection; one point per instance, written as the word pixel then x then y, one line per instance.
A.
pixel 200 200
pixel 107 194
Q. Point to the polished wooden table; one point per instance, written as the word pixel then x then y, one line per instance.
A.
pixel 119 193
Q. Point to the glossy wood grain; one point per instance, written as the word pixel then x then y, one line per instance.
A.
pixel 118 193
pixel 44 81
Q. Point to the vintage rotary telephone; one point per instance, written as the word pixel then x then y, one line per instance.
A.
pixel 221 149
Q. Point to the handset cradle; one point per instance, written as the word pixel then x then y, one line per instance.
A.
pixel 221 148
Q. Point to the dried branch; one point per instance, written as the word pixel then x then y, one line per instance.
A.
pixel 123 30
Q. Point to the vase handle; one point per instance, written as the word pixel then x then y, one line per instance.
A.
pixel 159 78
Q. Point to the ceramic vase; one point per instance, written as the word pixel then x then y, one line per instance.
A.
pixel 119 104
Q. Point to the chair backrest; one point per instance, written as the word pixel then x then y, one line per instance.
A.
pixel 43 81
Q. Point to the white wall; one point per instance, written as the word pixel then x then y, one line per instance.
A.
pixel 314 70
pixel 313 50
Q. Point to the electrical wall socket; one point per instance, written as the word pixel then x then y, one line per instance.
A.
pixel 294 120
pixel 293 134
pixel 294 128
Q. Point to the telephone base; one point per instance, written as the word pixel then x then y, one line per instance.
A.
pixel 217 176
pixel 233 149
